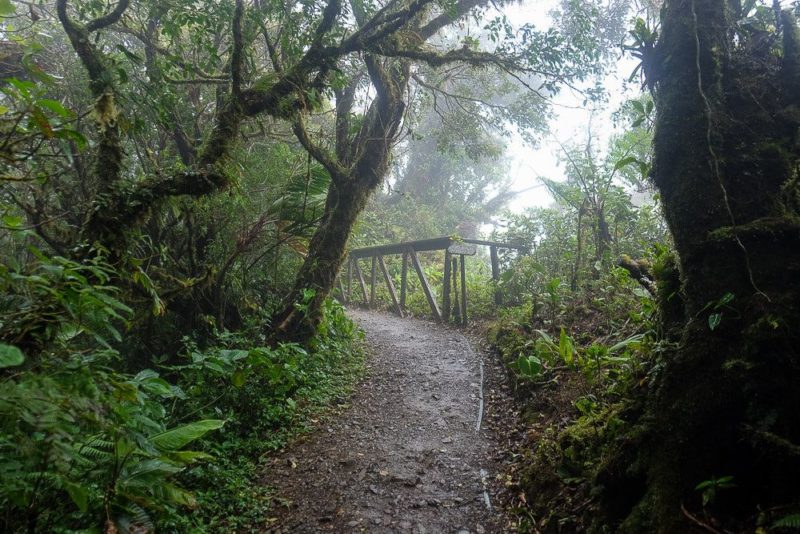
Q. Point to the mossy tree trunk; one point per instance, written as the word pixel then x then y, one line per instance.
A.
pixel 726 162
pixel 357 168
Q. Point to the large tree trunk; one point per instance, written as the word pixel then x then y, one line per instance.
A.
pixel 300 317
pixel 357 169
pixel 726 160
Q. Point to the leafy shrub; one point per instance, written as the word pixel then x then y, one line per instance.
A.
pixel 267 394
pixel 86 446
pixel 82 445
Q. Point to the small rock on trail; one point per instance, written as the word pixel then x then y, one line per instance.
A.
pixel 406 456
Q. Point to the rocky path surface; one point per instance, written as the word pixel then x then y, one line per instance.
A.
pixel 407 455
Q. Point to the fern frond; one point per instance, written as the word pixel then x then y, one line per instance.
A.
pixel 95 454
pixel 135 519
pixel 789 521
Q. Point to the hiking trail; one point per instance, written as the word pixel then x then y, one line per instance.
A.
pixel 412 452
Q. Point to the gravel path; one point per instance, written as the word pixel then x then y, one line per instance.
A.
pixel 406 456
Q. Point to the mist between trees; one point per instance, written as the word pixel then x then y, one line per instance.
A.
pixel 180 183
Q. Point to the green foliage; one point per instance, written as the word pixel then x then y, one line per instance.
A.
pixel 789 521
pixel 74 427
pixel 61 300
pixel 718 309
pixel 85 444
pixel 710 488
pixel 10 356
pixel 581 354
pixel 528 366
pixel 266 395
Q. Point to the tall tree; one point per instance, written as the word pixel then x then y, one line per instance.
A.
pixel 727 91
pixel 358 163
pixel 176 93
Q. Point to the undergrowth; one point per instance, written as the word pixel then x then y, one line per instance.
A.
pixel 87 444
pixel 579 361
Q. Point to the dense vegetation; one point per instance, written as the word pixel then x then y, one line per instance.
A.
pixel 180 183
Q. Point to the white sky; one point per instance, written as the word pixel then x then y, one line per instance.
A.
pixel 569 124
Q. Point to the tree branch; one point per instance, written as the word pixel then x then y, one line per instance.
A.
pixel 451 15
pixel 327 160
pixel 110 18
pixel 237 52
pixel 345 98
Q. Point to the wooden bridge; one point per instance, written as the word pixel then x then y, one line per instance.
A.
pixel 456 251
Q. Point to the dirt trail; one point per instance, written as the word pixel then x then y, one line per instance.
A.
pixel 406 455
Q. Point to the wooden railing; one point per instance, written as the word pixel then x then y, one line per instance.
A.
pixel 456 251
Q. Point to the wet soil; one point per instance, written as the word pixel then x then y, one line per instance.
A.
pixel 407 454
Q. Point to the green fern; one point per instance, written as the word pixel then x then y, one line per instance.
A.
pixel 134 518
pixel 91 453
pixel 789 521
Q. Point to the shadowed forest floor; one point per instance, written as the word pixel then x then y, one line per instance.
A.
pixel 405 454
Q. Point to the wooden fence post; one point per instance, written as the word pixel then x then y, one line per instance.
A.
pixel 446 287
pixel 455 292
pixel 372 283
pixel 404 281
pixel 360 277
pixel 425 287
pixel 463 291
pixel 498 295
pixel 390 285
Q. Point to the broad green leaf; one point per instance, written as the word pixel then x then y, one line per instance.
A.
pixel 79 495
pixel 144 473
pixel 714 320
pixel 55 106
pixel 624 343
pixel 238 378
pixel 545 336
pixel 623 162
pixel 12 221
pixel 233 355
pixel 41 122
pixel 565 348
pixel 188 457
pixel 7 8
pixel 158 386
pixel 179 496
pixel 181 436
pixel 529 366
pixel 727 298
pixel 10 356
pixel 144 375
